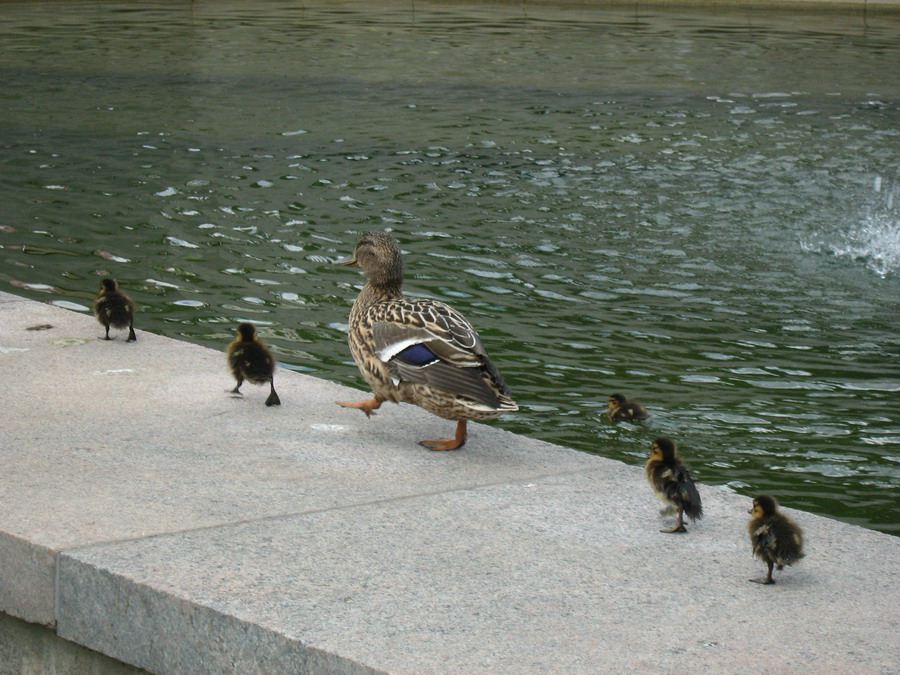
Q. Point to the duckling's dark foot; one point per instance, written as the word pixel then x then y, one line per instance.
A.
pixel 105 338
pixel 449 443
pixel 677 528
pixel 369 407
pixel 273 399
pixel 768 580
pixel 131 336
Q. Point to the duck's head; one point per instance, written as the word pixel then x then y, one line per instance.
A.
pixel 763 505
pixel 246 332
pixel 663 450
pixel 108 286
pixel 378 254
pixel 616 401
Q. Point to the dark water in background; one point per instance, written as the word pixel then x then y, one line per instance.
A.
pixel 701 210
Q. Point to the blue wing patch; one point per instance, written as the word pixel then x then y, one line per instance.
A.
pixel 417 355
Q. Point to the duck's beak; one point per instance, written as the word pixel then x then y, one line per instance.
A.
pixel 353 262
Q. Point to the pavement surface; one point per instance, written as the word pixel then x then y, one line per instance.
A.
pixel 148 515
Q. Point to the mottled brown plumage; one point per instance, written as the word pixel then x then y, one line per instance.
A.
pixel 113 308
pixel 416 350
pixel 250 359
pixel 776 539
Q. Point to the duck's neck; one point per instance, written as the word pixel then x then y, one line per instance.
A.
pixel 380 288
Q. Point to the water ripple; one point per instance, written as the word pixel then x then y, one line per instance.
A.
pixel 728 256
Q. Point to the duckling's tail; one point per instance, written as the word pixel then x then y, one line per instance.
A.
pixel 690 497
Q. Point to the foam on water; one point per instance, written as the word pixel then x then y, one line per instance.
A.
pixel 875 242
pixel 874 239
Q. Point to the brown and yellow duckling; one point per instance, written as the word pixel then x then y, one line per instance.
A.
pixel 620 409
pixel 250 359
pixel 113 308
pixel 418 351
pixel 777 540
pixel 672 482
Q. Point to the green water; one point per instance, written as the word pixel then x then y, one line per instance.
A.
pixel 699 210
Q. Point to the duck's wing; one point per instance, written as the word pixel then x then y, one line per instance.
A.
pixel 402 323
pixel 428 342
pixel 764 542
pixel 788 541
pixel 678 487
pixel 688 494
pixel 637 412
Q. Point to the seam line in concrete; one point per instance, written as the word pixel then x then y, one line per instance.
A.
pixel 330 509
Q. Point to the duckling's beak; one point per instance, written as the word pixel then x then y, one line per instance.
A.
pixel 750 511
pixel 353 262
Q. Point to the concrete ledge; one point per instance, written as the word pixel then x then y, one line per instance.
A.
pixel 151 517
pixel 29 649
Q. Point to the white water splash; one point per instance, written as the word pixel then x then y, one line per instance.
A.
pixel 875 239
pixel 876 242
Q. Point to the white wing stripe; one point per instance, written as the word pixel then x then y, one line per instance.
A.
pixel 390 351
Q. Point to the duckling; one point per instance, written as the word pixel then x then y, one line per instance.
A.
pixel 672 482
pixel 113 308
pixel 250 359
pixel 777 540
pixel 418 351
pixel 622 410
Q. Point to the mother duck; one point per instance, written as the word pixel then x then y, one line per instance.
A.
pixel 418 351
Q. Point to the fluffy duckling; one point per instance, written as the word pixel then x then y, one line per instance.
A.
pixel 672 482
pixel 250 359
pixel 777 540
pixel 620 409
pixel 418 351
pixel 113 308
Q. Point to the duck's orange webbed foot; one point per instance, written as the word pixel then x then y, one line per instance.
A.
pixel 449 443
pixel 369 406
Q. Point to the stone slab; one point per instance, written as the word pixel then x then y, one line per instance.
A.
pixel 563 574
pixel 105 441
pixel 31 649
pixel 151 517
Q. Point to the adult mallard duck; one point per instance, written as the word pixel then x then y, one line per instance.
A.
pixel 418 351
pixel 672 482
pixel 250 359
pixel 113 308
pixel 776 539
pixel 620 409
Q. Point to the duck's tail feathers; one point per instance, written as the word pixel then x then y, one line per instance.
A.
pixel 690 497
